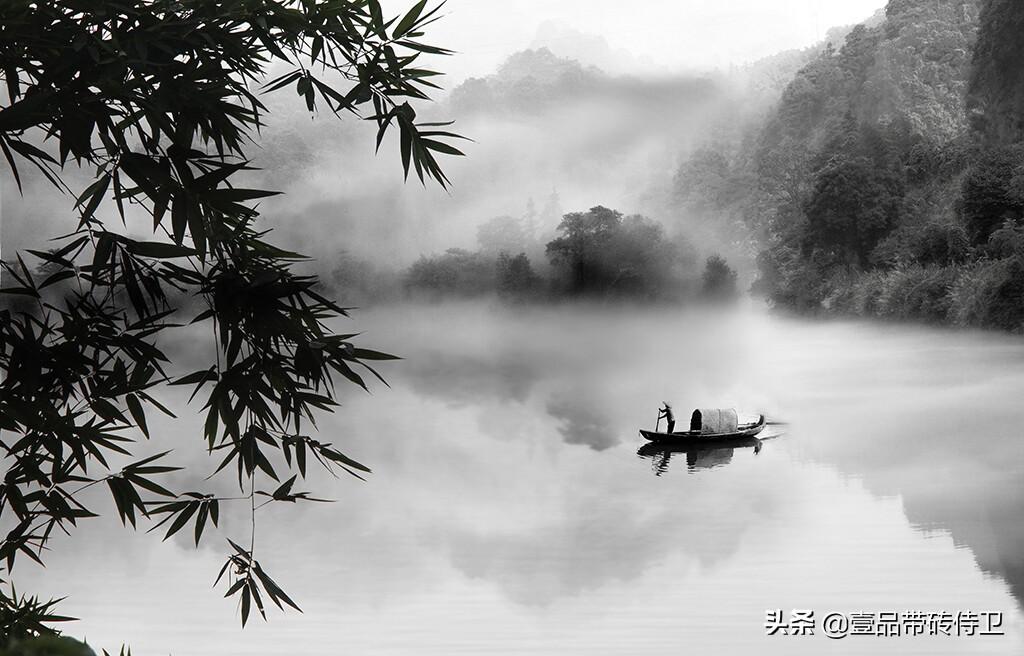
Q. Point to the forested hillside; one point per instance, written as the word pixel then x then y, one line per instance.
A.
pixel 997 86
pixel 888 180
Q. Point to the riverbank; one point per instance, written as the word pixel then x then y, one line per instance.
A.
pixel 986 294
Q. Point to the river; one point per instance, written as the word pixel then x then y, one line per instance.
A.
pixel 509 511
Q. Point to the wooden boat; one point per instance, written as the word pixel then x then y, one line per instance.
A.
pixel 699 454
pixel 710 424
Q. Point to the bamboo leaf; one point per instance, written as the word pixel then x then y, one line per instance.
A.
pixel 138 413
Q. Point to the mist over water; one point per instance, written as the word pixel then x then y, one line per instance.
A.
pixel 509 510
pixel 513 508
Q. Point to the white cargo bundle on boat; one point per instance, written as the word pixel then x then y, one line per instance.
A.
pixel 714 420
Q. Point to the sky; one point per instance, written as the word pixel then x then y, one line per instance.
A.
pixel 664 36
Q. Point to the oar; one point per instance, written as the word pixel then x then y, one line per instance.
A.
pixel 776 423
pixel 657 423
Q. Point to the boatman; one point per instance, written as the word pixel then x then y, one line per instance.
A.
pixel 669 417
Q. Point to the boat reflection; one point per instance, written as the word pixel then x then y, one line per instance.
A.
pixel 699 455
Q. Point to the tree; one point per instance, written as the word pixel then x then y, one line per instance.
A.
pixel 156 96
pixel 704 181
pixel 852 208
pixel 991 192
pixel 516 277
pixel 502 233
pixel 858 187
pixel 642 260
pixel 996 86
pixel 602 252
pixel 584 234
pixel 719 279
pixel 456 271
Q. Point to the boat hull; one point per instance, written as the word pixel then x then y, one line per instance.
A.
pixel 697 437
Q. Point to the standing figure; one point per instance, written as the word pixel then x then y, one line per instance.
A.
pixel 666 412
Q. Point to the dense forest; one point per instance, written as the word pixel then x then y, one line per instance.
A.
pixel 889 179
pixel 594 254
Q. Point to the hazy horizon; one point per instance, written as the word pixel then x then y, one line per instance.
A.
pixel 688 36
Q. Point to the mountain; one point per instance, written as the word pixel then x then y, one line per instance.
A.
pixel 996 98
pixel 888 180
pixel 533 81
pixel 772 74
pixel 913 66
pixel 588 49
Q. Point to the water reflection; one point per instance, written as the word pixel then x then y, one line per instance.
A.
pixel 582 420
pixel 931 416
pixel 509 506
pixel 464 379
pixel 699 455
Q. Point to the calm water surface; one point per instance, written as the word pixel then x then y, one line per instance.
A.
pixel 510 513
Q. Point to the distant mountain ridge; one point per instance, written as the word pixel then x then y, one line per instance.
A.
pixel 533 80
